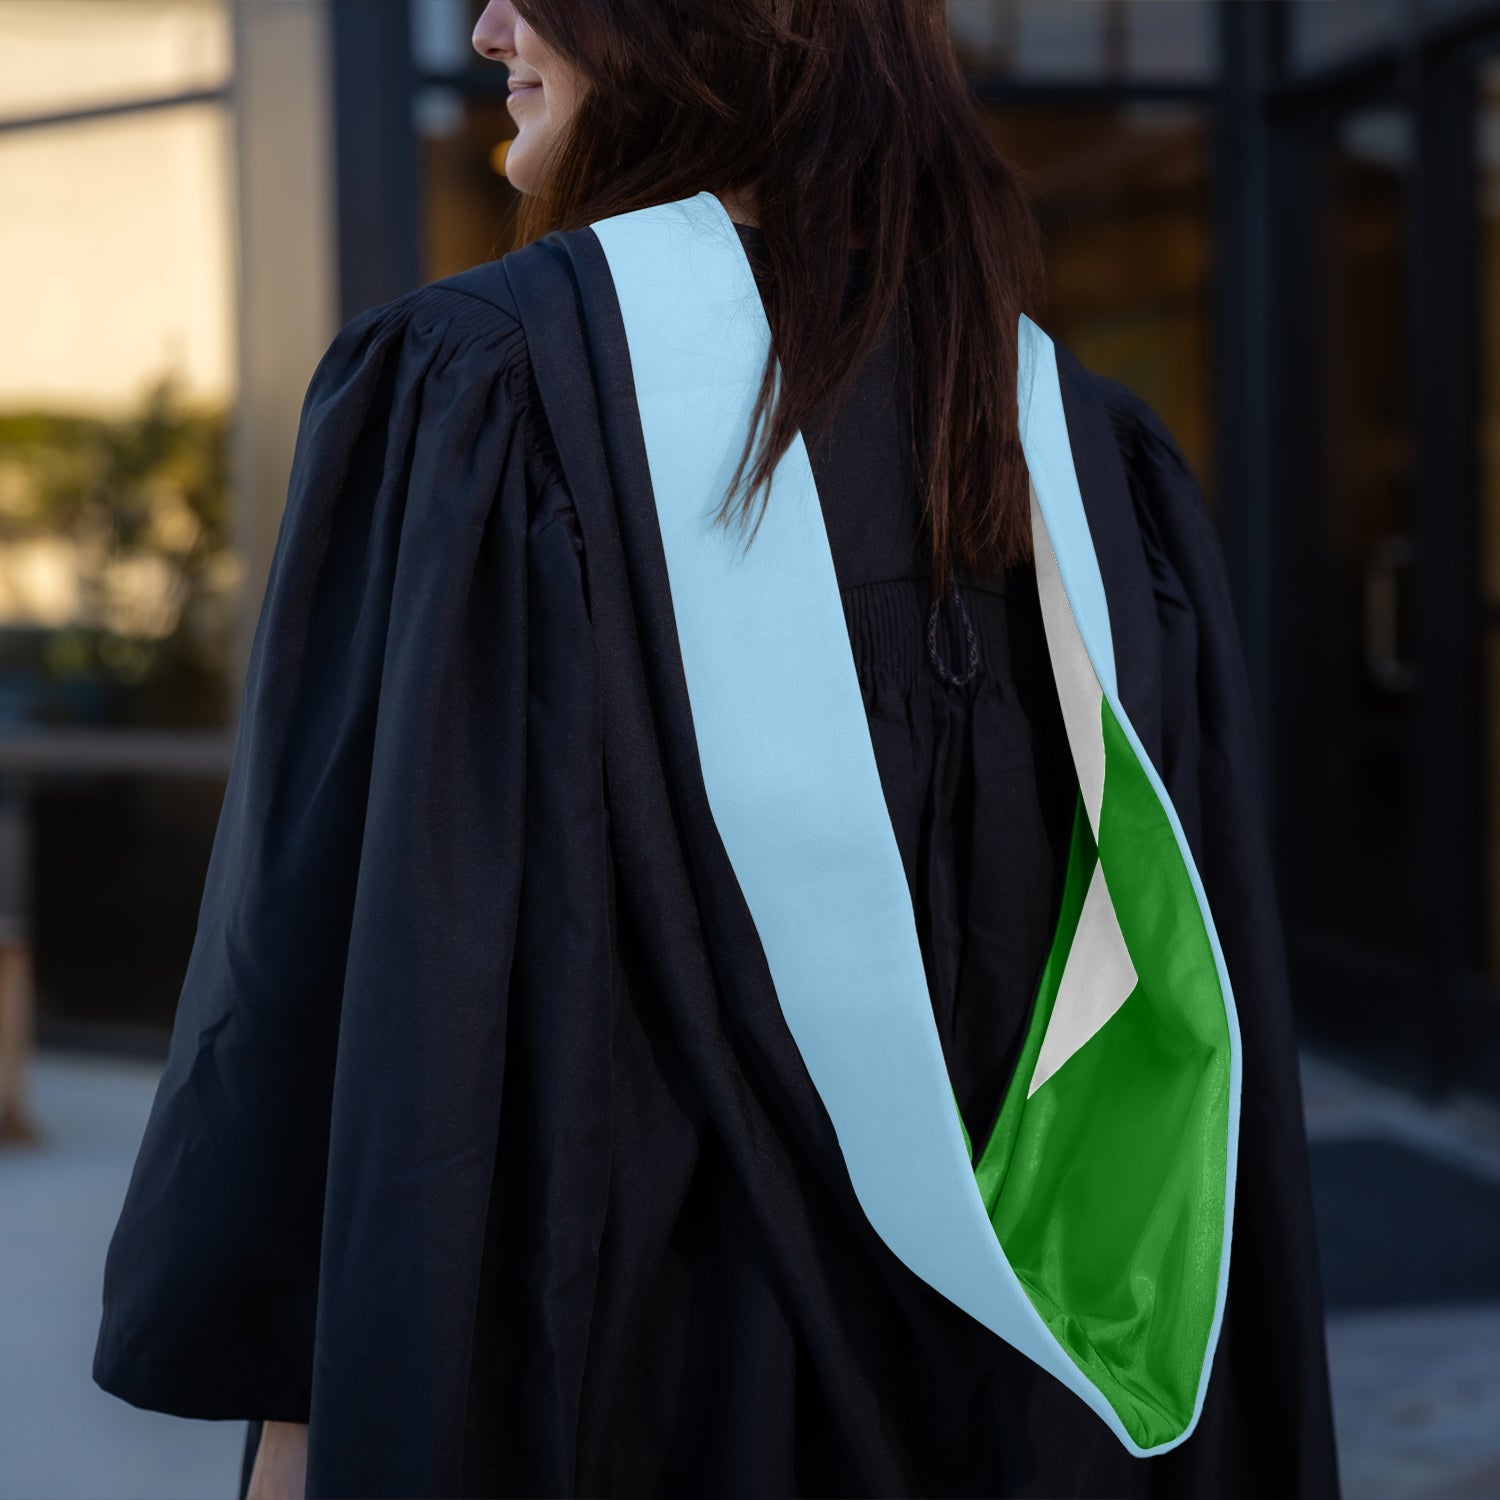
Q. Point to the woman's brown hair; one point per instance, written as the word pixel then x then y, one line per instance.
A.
pixel 835 118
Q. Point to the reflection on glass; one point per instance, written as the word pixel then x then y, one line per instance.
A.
pixel 1172 40
pixel 1323 33
pixel 114 258
pixel 60 55
pixel 117 579
pixel 440 34
pixel 1487 152
pixel 1354 759
pixel 1443 10
pixel 1083 40
pixel 1124 204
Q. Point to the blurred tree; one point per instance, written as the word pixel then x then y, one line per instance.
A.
pixel 118 580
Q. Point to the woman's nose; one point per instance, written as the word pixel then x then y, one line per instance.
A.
pixel 495 31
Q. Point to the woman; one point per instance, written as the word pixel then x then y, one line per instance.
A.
pixel 492 1155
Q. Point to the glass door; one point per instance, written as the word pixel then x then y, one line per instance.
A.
pixel 1350 681
pixel 1387 730
pixel 1479 986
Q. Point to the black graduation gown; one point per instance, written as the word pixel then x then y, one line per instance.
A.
pixel 482 1144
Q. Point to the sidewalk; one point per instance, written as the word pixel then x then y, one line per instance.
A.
pixel 1409 1212
pixel 1411 1255
pixel 61 1437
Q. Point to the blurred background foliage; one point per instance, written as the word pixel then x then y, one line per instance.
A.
pixel 118 574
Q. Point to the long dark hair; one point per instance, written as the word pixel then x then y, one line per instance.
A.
pixel 836 119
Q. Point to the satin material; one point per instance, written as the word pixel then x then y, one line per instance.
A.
pixel 1108 1186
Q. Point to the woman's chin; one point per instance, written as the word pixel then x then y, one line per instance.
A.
pixel 519 167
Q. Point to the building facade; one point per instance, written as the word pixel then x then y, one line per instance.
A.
pixel 1279 222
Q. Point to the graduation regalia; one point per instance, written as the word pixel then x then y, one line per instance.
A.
pixel 555 1103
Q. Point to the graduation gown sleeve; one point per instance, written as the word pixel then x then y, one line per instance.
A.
pixel 1267 1424
pixel 303 1229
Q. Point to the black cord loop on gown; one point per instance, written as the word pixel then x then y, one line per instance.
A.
pixel 938 665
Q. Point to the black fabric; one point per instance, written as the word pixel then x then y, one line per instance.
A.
pixel 482 1143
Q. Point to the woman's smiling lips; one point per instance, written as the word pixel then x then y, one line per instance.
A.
pixel 521 87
